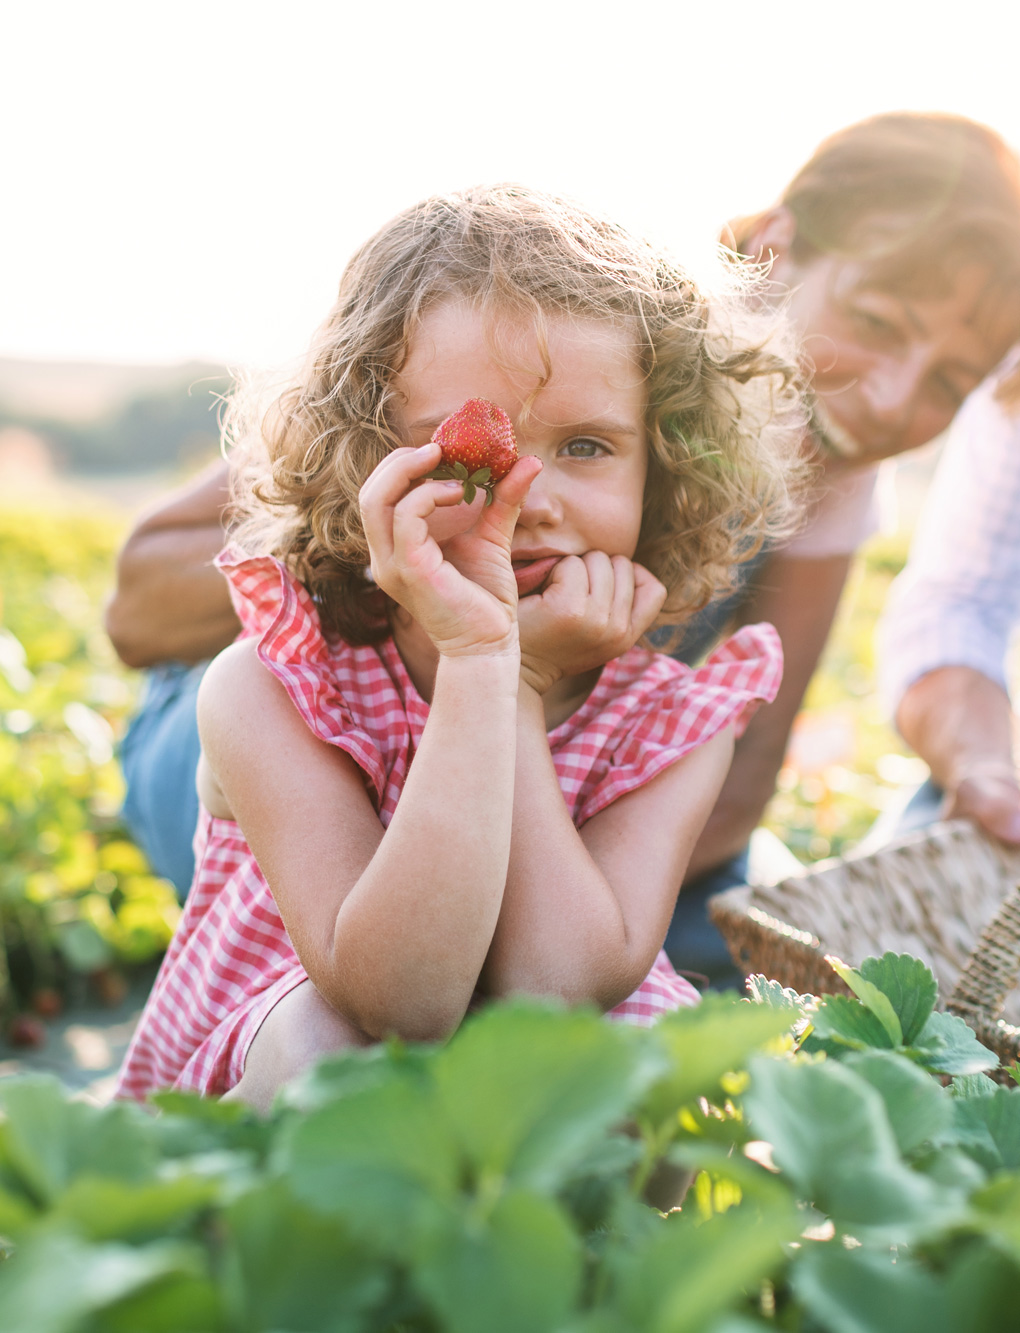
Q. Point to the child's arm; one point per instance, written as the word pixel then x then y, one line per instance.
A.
pixel 392 927
pixel 584 913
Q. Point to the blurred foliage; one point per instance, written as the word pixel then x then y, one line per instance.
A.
pixel 856 1172
pixel 75 895
pixel 846 765
pixel 160 428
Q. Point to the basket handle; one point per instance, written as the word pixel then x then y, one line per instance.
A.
pixel 992 968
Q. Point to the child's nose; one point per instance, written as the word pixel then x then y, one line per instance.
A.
pixel 542 506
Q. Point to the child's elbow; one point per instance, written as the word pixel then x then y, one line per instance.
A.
pixel 602 984
pixel 411 1021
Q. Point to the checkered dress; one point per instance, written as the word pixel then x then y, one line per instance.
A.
pixel 231 959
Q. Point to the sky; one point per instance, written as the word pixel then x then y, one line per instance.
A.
pixel 186 181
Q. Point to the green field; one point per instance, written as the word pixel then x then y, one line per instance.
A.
pixel 77 899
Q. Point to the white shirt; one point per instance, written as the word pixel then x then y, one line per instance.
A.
pixel 958 599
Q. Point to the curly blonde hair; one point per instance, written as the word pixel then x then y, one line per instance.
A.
pixel 723 415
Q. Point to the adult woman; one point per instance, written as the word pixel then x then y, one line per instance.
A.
pixel 895 252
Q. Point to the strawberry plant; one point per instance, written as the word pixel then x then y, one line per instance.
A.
pixel 498 1183
pixel 76 896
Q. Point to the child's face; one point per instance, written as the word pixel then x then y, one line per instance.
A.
pixel 587 424
pixel 889 370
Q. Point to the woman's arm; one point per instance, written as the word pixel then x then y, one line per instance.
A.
pixel 961 724
pixel 170 602
pixel 799 597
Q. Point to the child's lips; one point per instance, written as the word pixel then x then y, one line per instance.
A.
pixel 531 574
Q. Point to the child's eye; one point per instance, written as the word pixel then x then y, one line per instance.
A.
pixel 584 447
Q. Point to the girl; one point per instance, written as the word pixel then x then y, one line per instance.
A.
pixel 560 773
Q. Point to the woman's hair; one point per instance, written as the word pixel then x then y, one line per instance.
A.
pixel 723 401
pixel 915 195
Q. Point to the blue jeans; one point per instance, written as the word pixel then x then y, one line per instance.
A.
pixel 159 756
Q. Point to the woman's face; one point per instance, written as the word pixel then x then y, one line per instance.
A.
pixel 889 370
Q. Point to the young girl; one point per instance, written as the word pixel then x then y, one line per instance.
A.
pixel 436 767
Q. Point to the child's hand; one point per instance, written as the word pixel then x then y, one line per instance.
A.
pixel 594 608
pixel 465 608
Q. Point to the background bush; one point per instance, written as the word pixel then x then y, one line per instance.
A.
pixel 75 894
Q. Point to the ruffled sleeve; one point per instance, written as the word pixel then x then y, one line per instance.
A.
pixel 277 609
pixel 670 709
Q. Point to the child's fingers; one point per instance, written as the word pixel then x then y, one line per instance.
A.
pixel 509 494
pixel 649 596
pixel 384 489
pixel 411 515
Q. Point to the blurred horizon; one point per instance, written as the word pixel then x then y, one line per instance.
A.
pixel 187 185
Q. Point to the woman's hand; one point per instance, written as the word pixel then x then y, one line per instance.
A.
pixel 594 608
pixel 468 607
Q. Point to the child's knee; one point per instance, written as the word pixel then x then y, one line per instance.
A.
pixel 298 1031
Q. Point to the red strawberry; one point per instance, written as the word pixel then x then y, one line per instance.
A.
pixel 478 447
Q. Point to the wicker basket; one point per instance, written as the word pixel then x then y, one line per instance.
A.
pixel 948 895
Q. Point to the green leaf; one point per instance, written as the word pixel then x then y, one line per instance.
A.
pixel 918 1108
pixel 17 1215
pixel 872 998
pixel 46 1139
pixel 55 1281
pixel 989 1128
pixel 859 1291
pixel 518 1269
pixel 908 984
pixel 384 1158
pixel 528 1088
pixel 951 1166
pixel 352 1070
pixel 190 1124
pixel 830 1133
pixel 777 996
pixel 296 1268
pixel 754 1181
pixel 981 1285
pixel 460 472
pixel 687 1273
pixel 946 1045
pixel 972 1085
pixel 483 475
pixel 168 1305
pixel 842 1019
pixel 99 1209
pixel 469 493
pixel 703 1044
pixel 997 1212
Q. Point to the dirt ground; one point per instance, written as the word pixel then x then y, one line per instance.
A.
pixel 84 1047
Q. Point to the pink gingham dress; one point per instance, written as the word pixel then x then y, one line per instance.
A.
pixel 231 959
